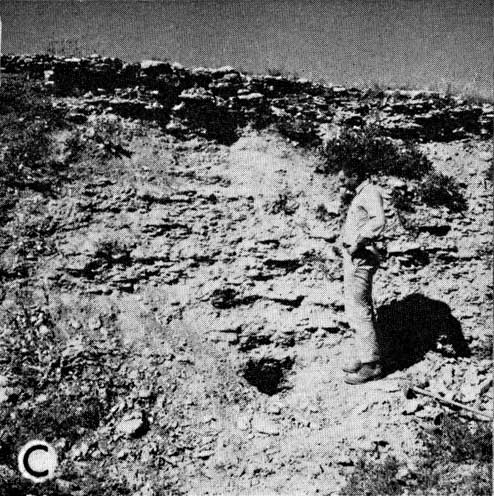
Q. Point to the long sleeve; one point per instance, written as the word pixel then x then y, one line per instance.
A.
pixel 372 202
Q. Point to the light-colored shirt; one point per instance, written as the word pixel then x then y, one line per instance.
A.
pixel 365 219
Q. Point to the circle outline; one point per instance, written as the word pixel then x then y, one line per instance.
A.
pixel 23 461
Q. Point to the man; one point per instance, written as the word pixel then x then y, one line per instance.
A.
pixel 364 223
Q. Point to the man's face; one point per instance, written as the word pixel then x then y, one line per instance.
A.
pixel 348 182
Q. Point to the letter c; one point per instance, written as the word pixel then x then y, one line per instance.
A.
pixel 25 461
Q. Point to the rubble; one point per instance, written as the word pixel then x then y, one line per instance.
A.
pixel 173 95
pixel 133 424
pixel 234 315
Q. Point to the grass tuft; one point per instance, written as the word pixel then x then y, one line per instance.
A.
pixel 374 479
pixel 459 442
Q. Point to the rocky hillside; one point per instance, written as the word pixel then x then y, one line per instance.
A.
pixel 173 318
pixel 215 102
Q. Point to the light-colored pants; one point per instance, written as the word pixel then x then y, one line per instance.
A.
pixel 358 273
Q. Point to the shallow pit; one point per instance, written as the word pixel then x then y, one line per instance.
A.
pixel 267 374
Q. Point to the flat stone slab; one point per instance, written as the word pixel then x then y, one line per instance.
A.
pixel 263 424
pixel 398 248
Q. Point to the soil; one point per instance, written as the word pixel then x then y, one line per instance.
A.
pixel 206 266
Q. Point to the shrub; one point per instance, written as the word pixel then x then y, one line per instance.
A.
pixel 456 460
pixel 21 97
pixel 65 47
pixel 27 119
pixel 436 190
pixel 374 479
pixel 102 141
pixel 447 450
pixel 12 484
pixel 107 138
pixel 61 389
pixel 455 441
pixel 26 159
pixel 76 147
pixel 27 236
pixel 366 150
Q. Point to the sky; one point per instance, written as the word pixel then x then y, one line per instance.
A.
pixel 397 42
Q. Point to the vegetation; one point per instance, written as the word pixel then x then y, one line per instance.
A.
pixel 436 190
pixel 27 119
pixel 369 153
pixel 458 441
pixel 28 236
pixel 13 485
pixel 28 163
pixel 374 479
pixel 456 460
pixel 61 389
pixel 80 364
pixel 29 159
pixel 102 142
pixel 74 47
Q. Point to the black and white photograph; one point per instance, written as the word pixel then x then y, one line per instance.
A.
pixel 246 247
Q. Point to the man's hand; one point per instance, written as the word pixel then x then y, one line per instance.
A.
pixel 352 249
pixel 355 247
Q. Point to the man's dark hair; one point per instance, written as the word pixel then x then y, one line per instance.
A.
pixel 355 170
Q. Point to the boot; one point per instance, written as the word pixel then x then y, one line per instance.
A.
pixel 368 372
pixel 352 366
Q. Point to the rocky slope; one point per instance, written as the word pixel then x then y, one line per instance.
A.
pixel 215 102
pixel 195 268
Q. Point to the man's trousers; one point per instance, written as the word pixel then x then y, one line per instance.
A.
pixel 358 274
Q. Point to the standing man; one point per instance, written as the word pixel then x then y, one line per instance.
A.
pixel 365 221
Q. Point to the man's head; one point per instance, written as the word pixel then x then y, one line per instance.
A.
pixel 349 179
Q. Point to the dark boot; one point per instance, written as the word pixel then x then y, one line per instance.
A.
pixel 368 372
pixel 352 366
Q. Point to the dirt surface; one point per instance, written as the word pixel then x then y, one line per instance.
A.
pixel 206 264
pixel 235 317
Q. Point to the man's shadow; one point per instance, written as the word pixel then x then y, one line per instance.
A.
pixel 410 327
